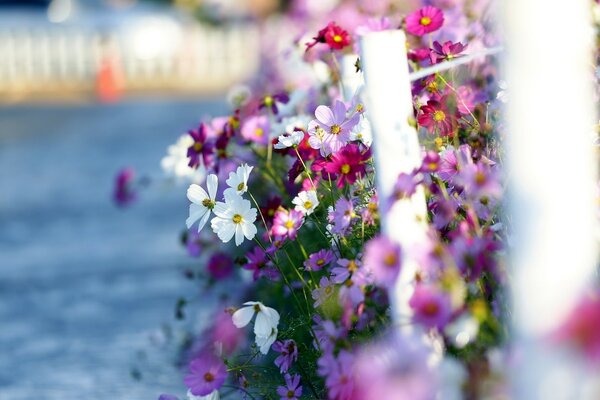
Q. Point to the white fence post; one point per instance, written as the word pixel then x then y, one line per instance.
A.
pixel 396 148
pixel 552 179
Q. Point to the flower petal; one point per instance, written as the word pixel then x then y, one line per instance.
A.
pixel 196 212
pixel 196 194
pixel 325 115
pixel 339 112
pixel 212 183
pixel 242 316
pixel 239 234
pixel 263 325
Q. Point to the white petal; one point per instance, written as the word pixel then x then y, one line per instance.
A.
pixel 239 234
pixel 233 181
pixel 252 303
pixel 196 194
pixel 222 210
pixel 242 316
pixel 196 212
pixel 263 325
pixel 204 220
pixel 225 231
pixel 249 230
pixel 264 343
pixel 273 314
pixel 325 115
pixel 212 183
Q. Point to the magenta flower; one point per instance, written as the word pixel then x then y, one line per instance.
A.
pixel 431 306
pixel 426 20
pixel 436 117
pixel 382 258
pixel 286 223
pixel 431 162
pixel 225 335
pixel 479 181
pixel 201 149
pixel 318 260
pixel 256 129
pixel 220 266
pixel 348 164
pixel 340 382
pixel 260 265
pixel 323 292
pixel 446 51
pixel 333 35
pixel 124 194
pixel 292 390
pixel 331 130
pixel 288 354
pixel 207 373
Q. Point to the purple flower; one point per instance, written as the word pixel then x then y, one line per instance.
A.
pixel 270 101
pixel 286 223
pixel 331 130
pixel 193 243
pixel 431 306
pixel 395 368
pixel 201 148
pixel 406 185
pixel 382 259
pixel 124 193
pixel 220 266
pixel 452 161
pixel 288 354
pixel 431 162
pixel 292 390
pixel 479 181
pixel 342 215
pixel 326 333
pixel 256 129
pixel 207 373
pixel 260 265
pixel 346 269
pixel 340 382
pixel 318 260
pixel 323 292
pixel 446 51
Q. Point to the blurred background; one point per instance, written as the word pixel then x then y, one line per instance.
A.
pixel 88 290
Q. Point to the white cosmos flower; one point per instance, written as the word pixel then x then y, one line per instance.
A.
pixel 202 202
pixel 175 163
pixel 362 132
pixel 265 325
pixel 238 180
pixel 289 140
pixel 234 217
pixel 306 201
pixel 214 395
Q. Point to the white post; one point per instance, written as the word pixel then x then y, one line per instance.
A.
pixel 552 179
pixel 396 147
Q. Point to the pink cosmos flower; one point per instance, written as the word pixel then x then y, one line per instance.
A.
pixel 426 20
pixel 452 161
pixel 479 181
pixel 339 382
pixel 331 130
pixel 333 35
pixel 256 129
pixel 286 223
pixel 260 265
pixel 341 216
pixel 318 260
pixel 431 306
pixel 446 51
pixel 437 118
pixel 348 164
pixel 207 373
pixel 382 259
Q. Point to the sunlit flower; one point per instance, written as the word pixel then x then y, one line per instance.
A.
pixel 334 125
pixel 292 389
pixel 426 20
pixel 445 52
pixel 348 164
pixel 238 180
pixel 286 223
pixel 234 217
pixel 256 129
pixel 207 373
pixel 306 202
pixel 333 35
pixel 382 259
pixel 342 215
pixel 437 118
pixel 202 203
pixel 289 140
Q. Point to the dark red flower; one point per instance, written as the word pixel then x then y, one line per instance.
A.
pixel 446 51
pixel 436 117
pixel 348 164
pixel 200 148
pixel 333 35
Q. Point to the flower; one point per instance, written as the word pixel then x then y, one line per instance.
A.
pixel 342 215
pixel 270 101
pixel 446 51
pixel 452 161
pixel 207 373
pixel 289 140
pixel 374 25
pixel 406 185
pixel 288 354
pixel 202 203
pixel 238 180
pixel 286 223
pixel 348 164
pixel 124 193
pixel 260 265
pixel 265 326
pixel 323 292
pixel 234 217
pixel 176 163
pixel 382 258
pixel 334 125
pixel 339 382
pixel 306 202
pixel 292 390
pixel 220 266
pixel 224 335
pixel 479 181
pixel 431 306
pixel 362 133
pixel 256 129
pixel 436 117
pixel 214 395
pixel 333 35
pixel 318 260
pixel 426 20
pixel 200 149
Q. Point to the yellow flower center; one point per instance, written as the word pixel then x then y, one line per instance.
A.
pixel 439 116
pixel 352 267
pixel 438 142
pixel 337 38
pixel 241 186
pixel 197 147
pixel 208 203
pixel 289 224
pixel 268 101
pixel 335 129
pixel 345 169
pixel 308 204
pixel 390 260
pixel 480 178
pixel 237 218
pixel 359 108
pixel 425 21
pixel 259 132
pixel 320 261
pixel 290 394
pixel 328 290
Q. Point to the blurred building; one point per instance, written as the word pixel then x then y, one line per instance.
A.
pixel 74 48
